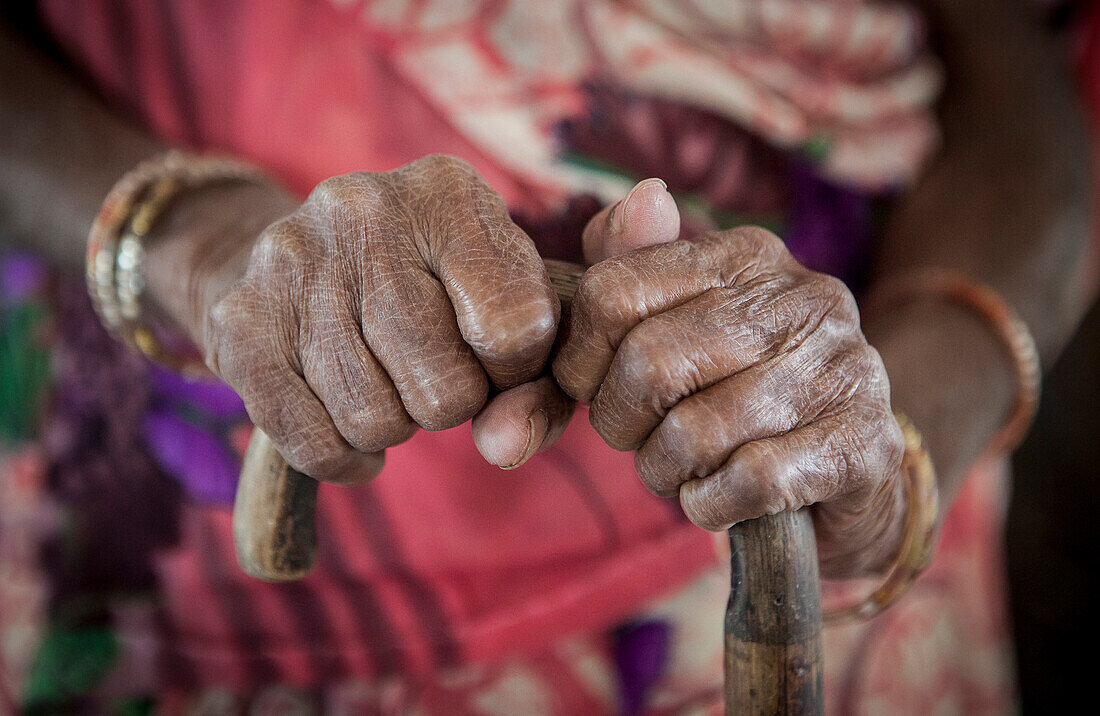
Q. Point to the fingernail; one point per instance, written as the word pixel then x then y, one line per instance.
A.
pixel 538 427
pixel 620 211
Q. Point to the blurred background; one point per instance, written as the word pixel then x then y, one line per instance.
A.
pixel 1053 563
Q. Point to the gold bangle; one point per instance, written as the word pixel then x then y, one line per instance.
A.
pixel 922 508
pixel 1010 330
pixel 116 250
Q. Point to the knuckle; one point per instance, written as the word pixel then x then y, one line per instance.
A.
pixel 758 241
pixel 320 459
pixel 340 190
pixel 281 249
pixel 893 447
pixel 830 286
pixel 837 298
pixel 586 297
pixel 372 430
pixel 655 472
pixel 439 162
pixel 445 170
pixel 875 370
pixel 855 377
pixel 309 443
pixel 520 336
pixel 871 384
pixel 226 327
pixel 567 374
pixel 759 477
pixel 665 460
pixel 221 316
pixel 601 297
pixel 751 486
pixel 608 420
pixel 659 370
pixel 677 433
pixel 781 408
pixel 367 413
pixel 871 448
pixel 643 370
pixel 883 446
pixel 583 305
pixel 824 301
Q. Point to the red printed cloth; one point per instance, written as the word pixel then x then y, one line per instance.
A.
pixel 440 561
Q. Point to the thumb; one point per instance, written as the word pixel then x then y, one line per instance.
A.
pixel 522 420
pixel 646 216
pixel 519 422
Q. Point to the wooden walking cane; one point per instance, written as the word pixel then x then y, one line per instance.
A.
pixel 773 618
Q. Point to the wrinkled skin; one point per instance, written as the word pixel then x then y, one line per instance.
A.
pixel 744 386
pixel 386 301
pixel 740 379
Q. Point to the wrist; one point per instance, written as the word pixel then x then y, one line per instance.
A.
pixel 865 537
pixel 201 245
pixel 950 375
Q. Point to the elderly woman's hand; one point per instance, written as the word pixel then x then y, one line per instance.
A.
pixel 744 385
pixel 384 302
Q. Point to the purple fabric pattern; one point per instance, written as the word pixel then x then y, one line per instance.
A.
pixel 195 457
pixel 692 150
pixel 828 227
pixel 641 653
pixel 21 275
pixel 188 430
pixel 212 397
pixel 735 178
pixel 120 506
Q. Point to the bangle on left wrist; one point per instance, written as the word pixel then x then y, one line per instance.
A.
pixel 948 375
pixel 998 320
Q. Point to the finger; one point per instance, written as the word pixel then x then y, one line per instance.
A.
pixel 506 309
pixel 521 421
pixel 724 331
pixel 304 433
pixel 258 364
pixel 815 463
pixel 619 293
pixel 341 371
pixel 679 352
pixel 765 400
pixel 409 325
pixel 646 216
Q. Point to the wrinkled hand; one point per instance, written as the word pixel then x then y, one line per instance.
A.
pixel 386 302
pixel 743 384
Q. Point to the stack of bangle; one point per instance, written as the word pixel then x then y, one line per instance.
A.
pixel 116 250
